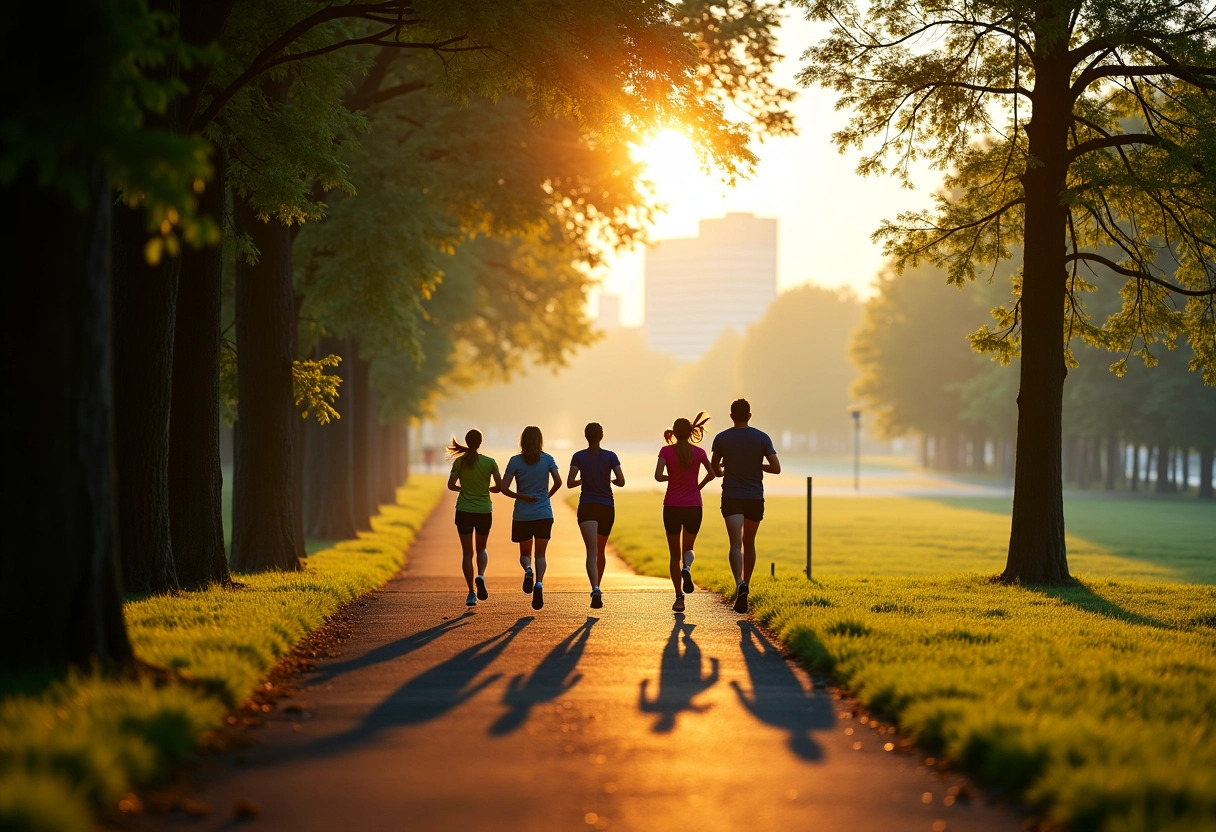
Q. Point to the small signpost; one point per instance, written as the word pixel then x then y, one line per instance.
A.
pixel 808 527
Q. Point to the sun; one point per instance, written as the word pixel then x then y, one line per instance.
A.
pixel 681 183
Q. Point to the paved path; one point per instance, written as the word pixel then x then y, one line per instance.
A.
pixel 626 718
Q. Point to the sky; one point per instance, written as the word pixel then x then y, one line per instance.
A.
pixel 825 211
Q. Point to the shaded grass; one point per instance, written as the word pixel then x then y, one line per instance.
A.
pixel 1092 703
pixel 77 744
pixel 1160 540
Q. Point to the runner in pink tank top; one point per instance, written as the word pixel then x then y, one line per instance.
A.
pixel 680 463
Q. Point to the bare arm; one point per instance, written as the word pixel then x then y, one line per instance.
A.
pixel 715 464
pixel 709 475
pixel 494 475
pixel 557 482
pixel 659 476
pixel 618 476
pixel 572 480
pixel 452 484
pixel 771 465
pixel 514 495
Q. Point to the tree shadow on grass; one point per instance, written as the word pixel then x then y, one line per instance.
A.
pixel 392 650
pixel 680 679
pixel 554 676
pixel 1077 594
pixel 777 696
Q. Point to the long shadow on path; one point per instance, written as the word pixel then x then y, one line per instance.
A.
pixel 554 676
pixel 680 679
pixel 392 650
pixel 777 696
pixel 430 694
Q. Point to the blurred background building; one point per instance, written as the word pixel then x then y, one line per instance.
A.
pixel 696 287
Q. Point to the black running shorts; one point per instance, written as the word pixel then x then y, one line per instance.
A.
pixel 468 522
pixel 522 530
pixel 750 509
pixel 687 518
pixel 603 515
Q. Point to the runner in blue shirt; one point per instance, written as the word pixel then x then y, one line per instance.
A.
pixel 530 471
pixel 746 454
pixel 600 470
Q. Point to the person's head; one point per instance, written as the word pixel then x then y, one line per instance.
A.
pixel 740 411
pixel 682 433
pixel 468 451
pixel 531 443
pixel 594 433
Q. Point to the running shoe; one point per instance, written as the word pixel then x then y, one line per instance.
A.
pixel 471 601
pixel 481 588
pixel 538 597
pixel 597 600
pixel 741 598
pixel 686 576
pixel 528 580
pixel 678 606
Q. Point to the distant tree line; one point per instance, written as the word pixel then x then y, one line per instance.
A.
pixel 919 376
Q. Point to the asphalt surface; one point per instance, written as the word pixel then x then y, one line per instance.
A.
pixel 631 717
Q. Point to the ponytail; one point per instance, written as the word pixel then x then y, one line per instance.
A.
pixel 466 453
pixel 684 432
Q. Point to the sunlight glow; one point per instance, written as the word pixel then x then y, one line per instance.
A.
pixel 688 191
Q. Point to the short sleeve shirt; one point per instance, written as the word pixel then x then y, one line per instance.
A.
pixel 743 451
pixel 533 481
pixel 596 474
pixel 682 482
pixel 474 484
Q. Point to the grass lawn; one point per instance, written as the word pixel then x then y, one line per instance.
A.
pixel 77 745
pixel 1095 703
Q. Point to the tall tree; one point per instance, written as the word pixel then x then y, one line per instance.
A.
pixel 1106 139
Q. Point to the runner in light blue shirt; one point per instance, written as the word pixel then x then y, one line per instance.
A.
pixel 530 471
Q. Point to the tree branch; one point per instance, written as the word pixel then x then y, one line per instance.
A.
pixel 1118 140
pixel 1139 275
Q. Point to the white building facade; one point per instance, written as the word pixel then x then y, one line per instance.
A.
pixel 697 287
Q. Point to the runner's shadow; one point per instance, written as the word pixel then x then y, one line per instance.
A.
pixel 680 679
pixel 777 696
pixel 392 650
pixel 550 679
pixel 430 694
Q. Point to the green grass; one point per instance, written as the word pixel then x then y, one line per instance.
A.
pixel 1125 538
pixel 1094 704
pixel 76 745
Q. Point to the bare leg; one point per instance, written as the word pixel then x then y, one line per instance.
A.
pixel 673 550
pixel 734 530
pixel 525 554
pixel 483 557
pixel 601 559
pixel 541 546
pixel 589 529
pixel 689 539
pixel 750 527
pixel 466 562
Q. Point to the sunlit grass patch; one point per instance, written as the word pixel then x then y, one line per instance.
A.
pixel 1094 703
pixel 82 742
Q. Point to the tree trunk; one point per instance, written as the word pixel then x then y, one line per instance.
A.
pixel 60 601
pixel 1114 462
pixel 1037 552
pixel 196 479
pixel 145 299
pixel 1184 465
pixel 361 425
pixel 264 519
pixel 1164 485
pixel 1206 455
pixel 328 495
pixel 1135 477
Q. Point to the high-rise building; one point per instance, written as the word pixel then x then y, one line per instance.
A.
pixel 697 287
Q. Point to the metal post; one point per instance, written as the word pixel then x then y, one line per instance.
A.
pixel 808 527
pixel 856 450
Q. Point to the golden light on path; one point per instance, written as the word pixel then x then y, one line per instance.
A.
pixel 687 189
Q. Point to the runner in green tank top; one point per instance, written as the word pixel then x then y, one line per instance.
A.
pixel 470 477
